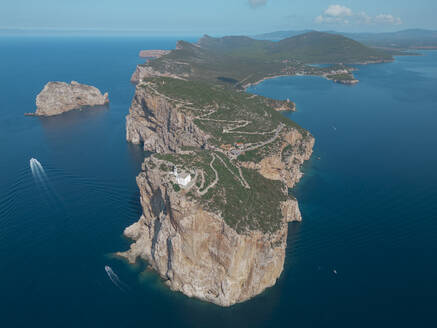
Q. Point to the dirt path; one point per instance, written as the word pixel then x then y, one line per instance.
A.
pixel 201 193
pixel 239 178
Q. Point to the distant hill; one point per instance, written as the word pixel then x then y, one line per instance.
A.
pixel 407 39
pixel 327 48
pixel 311 48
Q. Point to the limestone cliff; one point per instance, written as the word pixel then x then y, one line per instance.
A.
pixel 193 246
pixel 196 252
pixel 159 125
pixel 59 97
pixel 285 163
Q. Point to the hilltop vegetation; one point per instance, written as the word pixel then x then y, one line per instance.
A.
pixel 326 48
pixel 237 61
pixel 241 128
pixel 227 115
pixel 230 196
pixel 310 48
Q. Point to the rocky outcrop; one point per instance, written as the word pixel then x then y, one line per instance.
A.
pixel 346 81
pixel 60 97
pixel 159 125
pixel 153 53
pixel 289 106
pixel 196 252
pixel 285 164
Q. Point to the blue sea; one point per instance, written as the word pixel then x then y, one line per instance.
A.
pixel 364 255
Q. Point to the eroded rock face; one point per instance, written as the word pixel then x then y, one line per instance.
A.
pixel 286 164
pixel 153 121
pixel 60 97
pixel 196 252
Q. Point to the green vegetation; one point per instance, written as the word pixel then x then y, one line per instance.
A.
pixel 312 47
pixel 240 126
pixel 165 168
pixel 341 77
pixel 176 187
pixel 229 116
pixel 327 48
pixel 229 197
pixel 238 61
pixel 258 154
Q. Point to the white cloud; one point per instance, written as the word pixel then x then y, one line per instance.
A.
pixel 257 3
pixel 338 11
pixel 337 14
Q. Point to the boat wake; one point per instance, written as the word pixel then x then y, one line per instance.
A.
pixel 38 171
pixel 40 177
pixel 115 279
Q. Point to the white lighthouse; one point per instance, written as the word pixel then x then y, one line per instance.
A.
pixel 182 179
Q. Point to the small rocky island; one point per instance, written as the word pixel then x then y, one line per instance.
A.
pixel 60 97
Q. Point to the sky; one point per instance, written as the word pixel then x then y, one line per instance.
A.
pixel 215 17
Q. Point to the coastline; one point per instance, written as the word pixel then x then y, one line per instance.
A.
pixel 248 85
pixel 325 76
pixel 158 120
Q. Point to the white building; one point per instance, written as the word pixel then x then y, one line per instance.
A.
pixel 183 179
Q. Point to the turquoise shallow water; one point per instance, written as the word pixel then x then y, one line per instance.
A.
pixel 369 203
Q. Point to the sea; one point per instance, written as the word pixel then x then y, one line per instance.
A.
pixel 365 254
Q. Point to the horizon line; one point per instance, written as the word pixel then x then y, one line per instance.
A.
pixel 149 32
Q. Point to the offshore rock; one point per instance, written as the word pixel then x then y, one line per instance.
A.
pixel 60 97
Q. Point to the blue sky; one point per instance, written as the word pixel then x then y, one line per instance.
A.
pixel 217 17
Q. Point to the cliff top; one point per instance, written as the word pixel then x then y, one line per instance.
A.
pixel 244 198
pixel 243 130
pixel 228 116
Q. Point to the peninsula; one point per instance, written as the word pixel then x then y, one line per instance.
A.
pixel 216 194
pixel 239 61
pixel 60 97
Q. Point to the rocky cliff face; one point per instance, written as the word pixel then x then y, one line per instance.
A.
pixel 160 126
pixel 285 164
pixel 193 249
pixel 59 97
pixel 196 252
